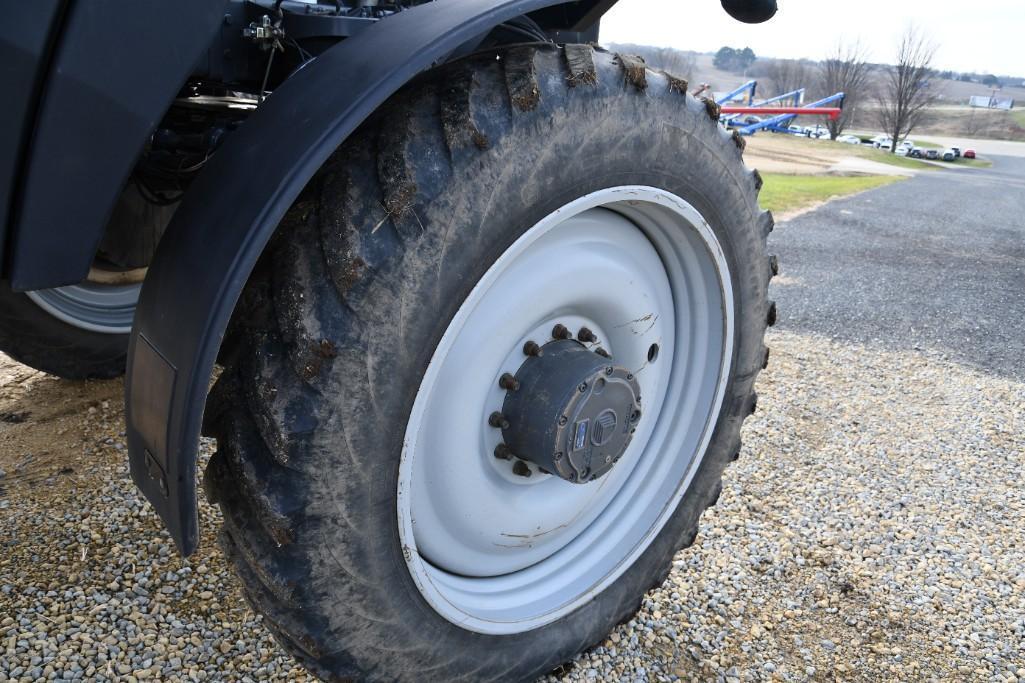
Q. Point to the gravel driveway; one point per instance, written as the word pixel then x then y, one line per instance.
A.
pixel 872 529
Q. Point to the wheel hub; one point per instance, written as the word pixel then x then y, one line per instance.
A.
pixel 569 410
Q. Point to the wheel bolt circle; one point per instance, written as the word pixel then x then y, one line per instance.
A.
pixel 531 348
pixel 497 419
pixel 508 382
pixel 586 335
pixel 520 469
pixel 503 452
pixel 560 331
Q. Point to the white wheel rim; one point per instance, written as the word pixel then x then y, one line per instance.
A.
pixel 103 308
pixel 497 553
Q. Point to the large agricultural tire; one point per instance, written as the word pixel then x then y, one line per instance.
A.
pixel 62 331
pixel 369 344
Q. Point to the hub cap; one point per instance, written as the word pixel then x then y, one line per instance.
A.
pixel 497 534
pixel 572 413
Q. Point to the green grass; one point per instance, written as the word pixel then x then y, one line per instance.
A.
pixel 865 152
pixel 928 145
pixel 885 157
pixel 781 192
pixel 974 163
pixel 1018 116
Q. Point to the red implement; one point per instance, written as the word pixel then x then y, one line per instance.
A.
pixel 832 112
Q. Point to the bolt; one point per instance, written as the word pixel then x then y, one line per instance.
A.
pixel 582 387
pixel 563 420
pixel 520 469
pixel 508 382
pixel 608 370
pixel 531 348
pixel 503 452
pixel 636 415
pixel 608 459
pixel 560 331
pixel 558 456
pixel 629 376
pixel 586 335
pixel 497 419
pixel 602 352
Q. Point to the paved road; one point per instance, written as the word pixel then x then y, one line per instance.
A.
pixel 936 263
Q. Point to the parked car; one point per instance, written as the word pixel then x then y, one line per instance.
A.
pixel 849 139
pixel 956 151
pixel 916 152
pixel 968 154
pixel 932 154
pixel 949 155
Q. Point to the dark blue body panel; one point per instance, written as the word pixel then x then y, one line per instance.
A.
pixel 25 41
pixel 115 69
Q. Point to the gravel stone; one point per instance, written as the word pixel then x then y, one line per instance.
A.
pixel 871 529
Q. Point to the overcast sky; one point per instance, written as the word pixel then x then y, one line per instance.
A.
pixel 981 35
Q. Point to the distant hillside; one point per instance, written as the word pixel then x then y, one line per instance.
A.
pixel 700 69
pixel 951 117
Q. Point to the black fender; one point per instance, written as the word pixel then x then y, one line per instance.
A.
pixel 233 208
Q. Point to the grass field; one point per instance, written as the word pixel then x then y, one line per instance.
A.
pixel 783 193
pixel 885 157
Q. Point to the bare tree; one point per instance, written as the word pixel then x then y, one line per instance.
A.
pixel 905 95
pixel 676 62
pixel 846 70
pixel 785 75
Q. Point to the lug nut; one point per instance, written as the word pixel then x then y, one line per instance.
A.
pixel 560 331
pixel 531 348
pixel 503 452
pixel 508 382
pixel 497 419
pixel 602 352
pixel 586 335
pixel 563 420
pixel 520 469
pixel 608 370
